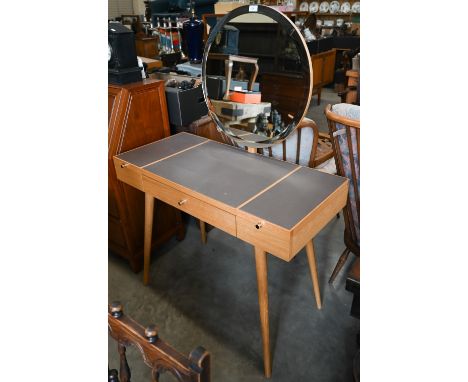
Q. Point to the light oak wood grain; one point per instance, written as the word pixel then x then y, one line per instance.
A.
pixel 213 202
pixel 203 231
pixel 262 285
pixel 193 206
pixel 128 173
pixel 265 236
pixel 318 218
pixel 272 238
pixel 149 210
pixel 313 272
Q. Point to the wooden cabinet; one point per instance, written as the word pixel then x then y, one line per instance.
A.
pixel 137 115
pixel 287 92
pixel 323 66
pixel 146 46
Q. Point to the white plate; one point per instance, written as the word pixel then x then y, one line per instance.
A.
pixel 304 7
pixel 355 7
pixel 334 7
pixel 345 7
pixel 314 7
pixel 324 7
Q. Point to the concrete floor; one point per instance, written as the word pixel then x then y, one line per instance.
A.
pixel 207 295
pixel 329 96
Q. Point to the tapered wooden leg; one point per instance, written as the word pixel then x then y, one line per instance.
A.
pixel 149 210
pixel 339 265
pixel 203 231
pixel 313 272
pixel 262 285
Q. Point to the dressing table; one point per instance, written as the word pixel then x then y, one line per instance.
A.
pixel 245 197
pixel 276 206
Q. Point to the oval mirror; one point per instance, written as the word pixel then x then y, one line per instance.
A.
pixel 257 75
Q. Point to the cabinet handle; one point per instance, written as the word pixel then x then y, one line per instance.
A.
pixel 259 225
pixel 123 165
pixel 183 201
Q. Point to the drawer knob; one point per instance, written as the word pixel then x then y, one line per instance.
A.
pixel 259 225
pixel 123 165
pixel 183 201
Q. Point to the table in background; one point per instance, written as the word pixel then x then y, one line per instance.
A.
pixel 352 83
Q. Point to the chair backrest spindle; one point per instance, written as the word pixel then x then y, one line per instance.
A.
pixel 344 126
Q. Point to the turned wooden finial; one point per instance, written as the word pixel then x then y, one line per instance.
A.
pixel 113 376
pixel 116 309
pixel 151 332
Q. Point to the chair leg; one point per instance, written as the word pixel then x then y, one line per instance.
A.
pixel 339 265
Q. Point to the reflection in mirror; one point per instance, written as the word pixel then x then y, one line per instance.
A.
pixel 257 76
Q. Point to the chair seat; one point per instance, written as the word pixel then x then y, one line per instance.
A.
pixel 328 166
pixel 324 150
pixel 305 146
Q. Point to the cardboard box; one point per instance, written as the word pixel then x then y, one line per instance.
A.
pixel 216 86
pixel 185 106
pixel 235 111
pixel 222 7
pixel 245 97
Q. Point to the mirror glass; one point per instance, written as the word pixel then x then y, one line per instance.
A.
pixel 257 75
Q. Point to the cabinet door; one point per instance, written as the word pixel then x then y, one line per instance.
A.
pixel 113 99
pixel 137 116
pixel 329 67
pixel 145 118
pixel 317 68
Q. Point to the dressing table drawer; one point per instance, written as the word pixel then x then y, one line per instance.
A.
pixel 193 206
pixel 267 236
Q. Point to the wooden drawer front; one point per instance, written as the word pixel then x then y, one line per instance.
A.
pixel 193 206
pixel 128 173
pixel 268 237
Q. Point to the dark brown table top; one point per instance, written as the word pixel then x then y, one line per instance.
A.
pixel 233 176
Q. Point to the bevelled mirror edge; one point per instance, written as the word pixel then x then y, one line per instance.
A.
pixel 295 34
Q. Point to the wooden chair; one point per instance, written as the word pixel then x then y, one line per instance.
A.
pixel 351 93
pixel 305 146
pixel 157 354
pixel 344 126
pixel 353 284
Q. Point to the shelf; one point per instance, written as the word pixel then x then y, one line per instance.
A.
pixel 336 14
pixel 258 55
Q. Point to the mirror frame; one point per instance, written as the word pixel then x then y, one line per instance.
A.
pixel 303 51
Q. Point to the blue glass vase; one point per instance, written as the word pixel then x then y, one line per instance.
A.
pixel 193 33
